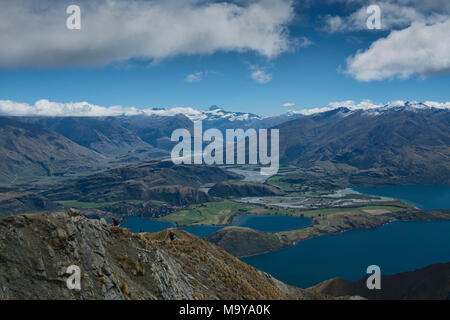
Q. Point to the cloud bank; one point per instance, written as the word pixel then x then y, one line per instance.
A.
pixel 419 49
pixel 33 34
pixel 85 109
pixel 395 14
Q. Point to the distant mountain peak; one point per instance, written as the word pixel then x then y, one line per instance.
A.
pixel 217 113
pixel 342 110
pixel 214 107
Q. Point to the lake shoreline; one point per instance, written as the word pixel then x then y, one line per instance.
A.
pixel 396 247
pixel 344 223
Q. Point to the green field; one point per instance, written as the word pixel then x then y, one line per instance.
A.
pixel 211 213
pixel 277 180
pixel 218 213
pixel 221 213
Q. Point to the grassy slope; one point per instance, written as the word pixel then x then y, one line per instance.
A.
pixel 219 213
pixel 211 213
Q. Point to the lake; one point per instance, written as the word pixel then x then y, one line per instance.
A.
pixel 395 247
pixel 426 197
pixel 257 222
pixel 138 224
pixel 270 223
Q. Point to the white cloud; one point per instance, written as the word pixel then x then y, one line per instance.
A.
pixel 85 109
pixel 261 76
pixel 193 77
pixel 308 112
pixel 198 76
pixel 113 30
pixel 350 104
pixel 394 14
pixel 419 49
pixel 303 42
pixel 438 105
pixel 48 108
pixel 288 104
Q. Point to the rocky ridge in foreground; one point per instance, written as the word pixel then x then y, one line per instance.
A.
pixel 36 249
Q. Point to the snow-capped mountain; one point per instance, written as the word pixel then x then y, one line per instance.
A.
pixel 214 113
pixel 397 143
pixel 373 109
pixel 361 136
pixel 217 117
pixel 217 113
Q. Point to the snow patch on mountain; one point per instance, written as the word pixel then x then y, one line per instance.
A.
pixel 375 109
pixel 46 108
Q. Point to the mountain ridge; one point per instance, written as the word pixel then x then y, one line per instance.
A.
pixel 35 251
pixel 151 180
pixel 430 282
pixel 401 142
pixel 28 149
pixel 396 146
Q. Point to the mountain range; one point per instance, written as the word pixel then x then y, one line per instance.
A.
pixel 30 150
pixel 152 180
pixel 391 145
pixel 106 163
pixel 399 143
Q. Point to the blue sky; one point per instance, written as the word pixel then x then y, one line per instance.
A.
pixel 311 75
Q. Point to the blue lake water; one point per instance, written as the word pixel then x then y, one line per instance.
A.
pixel 395 247
pixel 426 197
pixel 138 224
pixel 270 223
pixel 202 231
pixel 256 222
